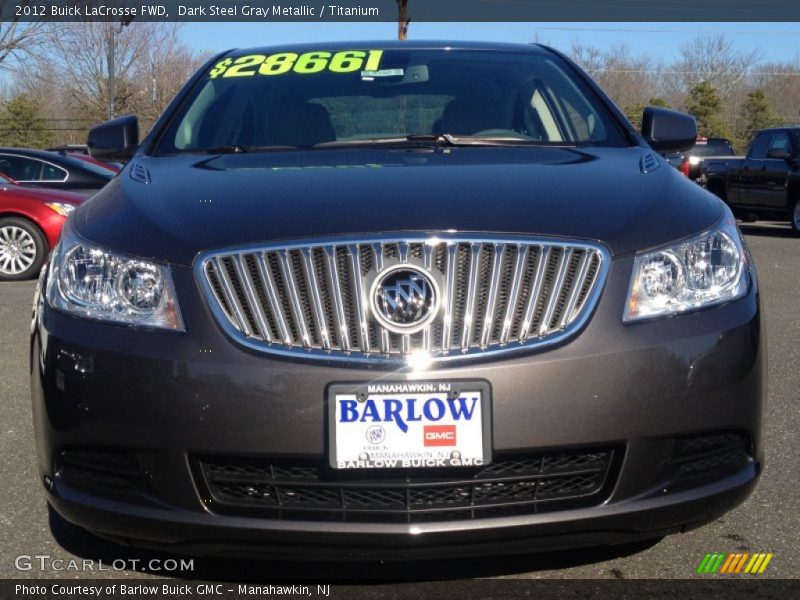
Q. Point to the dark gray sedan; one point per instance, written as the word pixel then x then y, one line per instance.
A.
pixel 396 300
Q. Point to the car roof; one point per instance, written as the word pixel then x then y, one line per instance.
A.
pixel 32 152
pixel 784 128
pixel 396 45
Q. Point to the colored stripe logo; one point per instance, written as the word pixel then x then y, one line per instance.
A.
pixel 723 563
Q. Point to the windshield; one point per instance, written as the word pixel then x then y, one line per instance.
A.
pixel 252 101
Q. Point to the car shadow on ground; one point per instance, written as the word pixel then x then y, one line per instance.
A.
pixel 85 545
pixel 775 229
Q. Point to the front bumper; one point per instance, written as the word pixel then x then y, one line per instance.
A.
pixel 168 398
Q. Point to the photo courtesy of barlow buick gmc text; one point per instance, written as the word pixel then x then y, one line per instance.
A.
pixel 421 300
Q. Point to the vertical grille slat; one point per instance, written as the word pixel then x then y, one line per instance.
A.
pixel 574 294
pixel 322 327
pixel 315 298
pixel 555 291
pixel 535 292
pixel 233 299
pixel 360 298
pixel 472 291
pixel 337 299
pixel 272 296
pixel 513 297
pixel 449 297
pixel 488 319
pixel 251 298
pixel 297 307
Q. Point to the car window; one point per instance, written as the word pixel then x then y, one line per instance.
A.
pixel 781 141
pixel 53 173
pixel 758 149
pixel 21 168
pixel 289 99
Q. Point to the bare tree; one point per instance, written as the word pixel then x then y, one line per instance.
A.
pixel 715 60
pixel 150 64
pixel 589 58
pixel 17 38
pixel 780 82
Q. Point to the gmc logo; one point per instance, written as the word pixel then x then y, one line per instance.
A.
pixel 440 435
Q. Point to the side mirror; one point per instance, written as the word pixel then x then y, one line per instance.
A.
pixel 117 139
pixel 779 153
pixel 668 130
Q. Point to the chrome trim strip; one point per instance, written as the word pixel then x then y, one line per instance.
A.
pixel 297 308
pixel 272 296
pixel 360 297
pixel 365 356
pixel 377 253
pixel 402 250
pixel 230 295
pixel 336 298
pixel 580 275
pixel 252 298
pixel 513 297
pixel 536 290
pixel 491 301
pixel 385 342
pixel 319 309
pixel 450 297
pixel 472 291
pixel 555 291
pixel 427 262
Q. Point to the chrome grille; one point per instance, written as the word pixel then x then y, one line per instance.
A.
pixel 313 299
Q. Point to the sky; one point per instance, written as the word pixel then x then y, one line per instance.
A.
pixel 658 40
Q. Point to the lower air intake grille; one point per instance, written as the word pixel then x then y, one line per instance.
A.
pixel 710 456
pixel 100 471
pixel 308 490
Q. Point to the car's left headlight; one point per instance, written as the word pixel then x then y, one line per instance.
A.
pixel 688 275
pixel 61 208
pixel 96 283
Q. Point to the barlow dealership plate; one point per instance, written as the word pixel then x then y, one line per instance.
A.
pixel 409 424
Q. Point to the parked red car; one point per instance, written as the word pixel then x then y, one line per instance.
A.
pixel 30 225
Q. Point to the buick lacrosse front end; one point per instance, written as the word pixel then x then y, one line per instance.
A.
pixel 399 301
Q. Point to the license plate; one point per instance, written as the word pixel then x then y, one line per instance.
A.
pixel 409 425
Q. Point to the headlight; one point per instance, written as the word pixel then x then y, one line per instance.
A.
pixel 61 208
pixel 108 286
pixel 689 275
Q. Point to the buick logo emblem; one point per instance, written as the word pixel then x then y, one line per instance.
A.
pixel 405 299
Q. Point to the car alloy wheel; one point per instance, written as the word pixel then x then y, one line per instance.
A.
pixel 21 249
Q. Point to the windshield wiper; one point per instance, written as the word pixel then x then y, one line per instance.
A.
pixel 444 139
pixel 477 140
pixel 241 149
pixel 232 149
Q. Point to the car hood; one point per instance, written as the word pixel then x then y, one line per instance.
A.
pixel 172 208
pixel 41 194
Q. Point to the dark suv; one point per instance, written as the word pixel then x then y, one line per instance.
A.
pixel 396 300
pixel 690 162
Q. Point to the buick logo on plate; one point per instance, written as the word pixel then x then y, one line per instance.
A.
pixel 405 299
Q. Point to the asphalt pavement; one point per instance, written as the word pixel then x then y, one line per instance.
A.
pixel 767 522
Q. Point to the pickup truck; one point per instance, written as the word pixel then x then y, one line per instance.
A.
pixel 690 163
pixel 766 182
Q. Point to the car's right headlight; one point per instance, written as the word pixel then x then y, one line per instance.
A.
pixel 87 280
pixel 692 274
